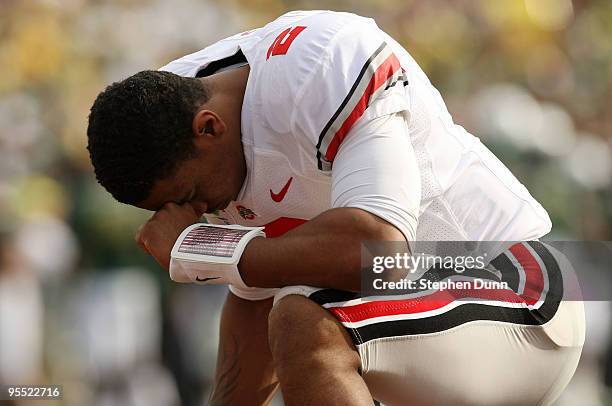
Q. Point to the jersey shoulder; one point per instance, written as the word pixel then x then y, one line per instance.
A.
pixel 319 73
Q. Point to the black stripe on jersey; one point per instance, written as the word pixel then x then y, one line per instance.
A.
pixel 401 79
pixel 214 66
pixel 510 274
pixel 345 101
pixel 466 312
pixel 325 296
pixel 555 284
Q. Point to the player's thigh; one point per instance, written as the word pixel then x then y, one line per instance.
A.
pixel 477 363
pixel 482 362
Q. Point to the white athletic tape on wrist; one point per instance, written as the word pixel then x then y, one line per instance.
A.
pixel 208 254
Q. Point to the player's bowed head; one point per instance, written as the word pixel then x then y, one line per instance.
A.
pixel 157 137
pixel 170 144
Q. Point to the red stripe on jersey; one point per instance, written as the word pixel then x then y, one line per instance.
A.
pixel 380 77
pixel 534 278
pixel 281 225
pixel 434 301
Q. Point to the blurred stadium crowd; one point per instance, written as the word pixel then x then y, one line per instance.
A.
pixel 81 306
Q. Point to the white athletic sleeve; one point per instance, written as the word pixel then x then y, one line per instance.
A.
pixel 376 171
pixel 252 293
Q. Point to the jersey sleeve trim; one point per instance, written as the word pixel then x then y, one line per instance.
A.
pixel 380 72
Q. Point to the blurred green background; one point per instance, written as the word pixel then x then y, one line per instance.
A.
pixel 81 306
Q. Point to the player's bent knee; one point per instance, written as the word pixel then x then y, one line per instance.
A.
pixel 298 320
pixel 300 331
pixel 287 323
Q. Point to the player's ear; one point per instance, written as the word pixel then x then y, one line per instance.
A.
pixel 207 123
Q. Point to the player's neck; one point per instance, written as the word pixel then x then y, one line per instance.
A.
pixel 227 90
pixel 229 84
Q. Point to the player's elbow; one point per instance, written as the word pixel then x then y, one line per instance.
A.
pixel 374 228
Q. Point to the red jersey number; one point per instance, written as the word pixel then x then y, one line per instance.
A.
pixel 281 44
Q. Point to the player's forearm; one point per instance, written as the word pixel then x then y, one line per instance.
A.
pixel 324 252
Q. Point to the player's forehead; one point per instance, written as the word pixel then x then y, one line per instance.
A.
pixel 172 188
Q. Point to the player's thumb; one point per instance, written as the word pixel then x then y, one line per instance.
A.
pixel 138 239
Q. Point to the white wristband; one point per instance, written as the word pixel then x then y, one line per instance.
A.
pixel 208 254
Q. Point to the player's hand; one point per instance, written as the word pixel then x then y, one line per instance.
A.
pixel 157 236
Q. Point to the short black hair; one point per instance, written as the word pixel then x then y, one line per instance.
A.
pixel 140 129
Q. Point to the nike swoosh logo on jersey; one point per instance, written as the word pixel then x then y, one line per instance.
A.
pixel 278 197
pixel 205 279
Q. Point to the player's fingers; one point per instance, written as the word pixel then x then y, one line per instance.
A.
pixel 191 211
pixel 199 208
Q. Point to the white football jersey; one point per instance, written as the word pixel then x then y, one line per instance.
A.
pixel 317 134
